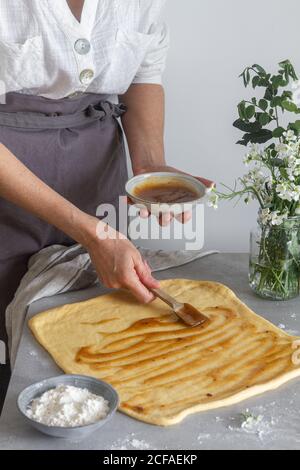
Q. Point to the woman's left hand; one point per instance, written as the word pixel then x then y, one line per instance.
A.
pixel 166 217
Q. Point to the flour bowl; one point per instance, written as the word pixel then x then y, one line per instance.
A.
pixel 97 387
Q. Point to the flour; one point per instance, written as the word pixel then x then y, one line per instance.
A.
pixel 67 406
pixel 33 353
pixel 203 437
pixel 251 424
pixel 131 442
pixel 141 445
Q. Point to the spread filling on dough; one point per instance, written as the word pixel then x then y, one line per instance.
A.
pixel 162 369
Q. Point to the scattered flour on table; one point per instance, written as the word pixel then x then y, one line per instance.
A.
pixel 251 424
pixel 281 326
pixel 243 423
pixel 131 442
pixel 203 437
pixel 68 406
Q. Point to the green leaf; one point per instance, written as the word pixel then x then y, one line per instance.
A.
pixel 242 142
pixel 263 104
pixel 268 94
pixel 284 63
pixel 242 110
pixel 245 140
pixel 295 126
pixel 264 82
pixel 289 70
pixel 250 111
pixel 255 81
pixel 290 106
pixel 256 138
pixel 278 81
pixel 246 77
pixel 273 153
pixel 247 126
pixel 278 163
pixel 276 101
pixel 259 69
pixel 261 137
pixel 278 132
pixel 264 119
pixel 287 94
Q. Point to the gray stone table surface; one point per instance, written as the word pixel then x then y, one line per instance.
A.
pixel 278 410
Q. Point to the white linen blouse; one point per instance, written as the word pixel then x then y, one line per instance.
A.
pixel 45 51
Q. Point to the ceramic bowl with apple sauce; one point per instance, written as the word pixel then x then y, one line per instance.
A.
pixel 165 192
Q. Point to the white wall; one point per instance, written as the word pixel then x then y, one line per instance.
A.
pixel 211 42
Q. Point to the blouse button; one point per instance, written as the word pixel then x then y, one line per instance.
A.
pixel 82 46
pixel 86 76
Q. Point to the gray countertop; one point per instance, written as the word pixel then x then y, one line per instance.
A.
pixel 217 429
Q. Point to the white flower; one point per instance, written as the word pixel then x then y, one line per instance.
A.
pixel 288 192
pixel 291 161
pixel 289 136
pixel 265 216
pixel 255 178
pixel 277 218
pixel 291 174
pixel 284 192
pixel 253 155
pixel 247 159
pixel 286 150
pixel 268 199
pixel 213 200
pixel 281 148
pixel 296 193
pixel 274 217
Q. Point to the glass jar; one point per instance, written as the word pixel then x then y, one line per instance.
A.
pixel 275 260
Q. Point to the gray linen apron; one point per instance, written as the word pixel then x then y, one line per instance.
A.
pixel 74 145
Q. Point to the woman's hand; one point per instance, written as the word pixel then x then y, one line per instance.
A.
pixel 166 218
pixel 119 264
pixel 117 261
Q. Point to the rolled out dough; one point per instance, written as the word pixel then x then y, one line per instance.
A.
pixel 162 369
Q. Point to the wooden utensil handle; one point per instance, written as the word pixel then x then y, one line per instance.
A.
pixel 164 297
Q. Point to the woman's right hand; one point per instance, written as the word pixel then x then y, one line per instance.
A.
pixel 119 264
pixel 117 261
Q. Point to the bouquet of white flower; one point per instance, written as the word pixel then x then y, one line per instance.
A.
pixel 273 179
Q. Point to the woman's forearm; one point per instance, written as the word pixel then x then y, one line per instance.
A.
pixel 21 187
pixel 117 262
pixel 144 125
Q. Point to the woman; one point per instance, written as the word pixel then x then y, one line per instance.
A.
pixel 62 64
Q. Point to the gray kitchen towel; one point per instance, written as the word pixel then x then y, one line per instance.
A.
pixel 58 269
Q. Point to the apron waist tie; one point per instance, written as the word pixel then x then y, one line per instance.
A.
pixel 29 120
